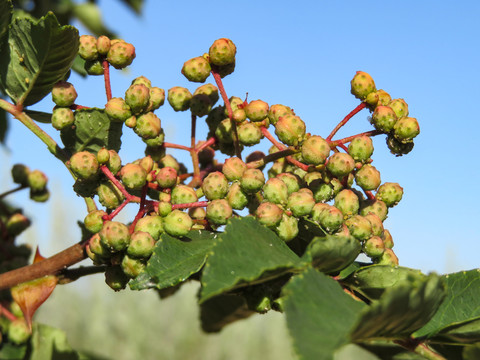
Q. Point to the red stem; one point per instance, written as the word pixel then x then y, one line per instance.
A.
pixel 190 205
pixel 175 146
pixel 6 313
pixel 345 120
pixel 209 142
pixel 218 80
pixel 279 146
pixel 78 107
pixel 350 138
pixel 106 74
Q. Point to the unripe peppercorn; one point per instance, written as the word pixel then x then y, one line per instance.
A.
pixel 405 129
pixel 121 54
pixel 114 236
pixel 97 248
pixel 103 45
pixel 368 177
pixel 384 118
pixel 252 181
pixel 292 181
pixel 377 207
pixel 361 148
pixel 222 52
pixel 200 105
pixel 64 94
pixel 157 98
pixel 315 150
pixel 388 257
pixel 137 98
pixel 183 194
pixel 290 129
pixel 233 168
pixel 151 224
pixel 397 147
pixel 387 239
pixel 84 165
pixel 374 247
pixel 103 155
pixel 224 131
pixel 362 84
pixel 196 69
pixel 18 332
pixel 236 197
pixel 179 98
pixel 37 180
pixel 275 191
pixel 109 195
pixel 177 223
pixel 20 174
pixel 347 202
pixel 118 110
pixel 215 186
pixel 359 227
pixel 88 47
pixel 331 219
pixel 376 222
pixel 287 229
pixel 210 90
pixel 94 220
pixel 94 67
pixel 269 214
pixel 276 111
pixel 166 177
pixel 142 80
pixel 141 245
pixel 399 106
pixel 256 110
pixel 390 193
pixel 219 211
pixel 114 163
pixel 249 134
pixel 340 164
pixel 300 203
pixel 132 267
pixel 16 224
pixel 148 126
pixel 133 176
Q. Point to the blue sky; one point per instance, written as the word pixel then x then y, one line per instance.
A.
pixel 304 54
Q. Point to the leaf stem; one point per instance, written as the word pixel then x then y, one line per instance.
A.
pixel 420 348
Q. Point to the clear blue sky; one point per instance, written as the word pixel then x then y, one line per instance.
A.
pixel 304 54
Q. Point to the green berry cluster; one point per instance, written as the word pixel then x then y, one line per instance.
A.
pixel 36 180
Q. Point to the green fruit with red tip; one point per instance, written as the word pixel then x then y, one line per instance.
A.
pixel 103 45
pixel 114 236
pixel 330 218
pixel 40 196
pixel 315 150
pixel 16 224
pixel 94 220
pixel 141 245
pixel 109 195
pixel 88 47
pixel 222 52
pixel 148 126
pixel 233 168
pixel 151 224
pixel 290 129
pixel 361 148
pixel 249 134
pixel 179 98
pixel 300 203
pixel 388 257
pixel 275 191
pixel 269 214
pixel 84 165
pixel 210 90
pixel 166 177
pixel 37 181
pixel 340 164
pixel 400 107
pixel 291 180
pixel 252 181
pixel 347 202
pixel 137 98
pixel 374 247
pixel 177 223
pixel 64 94
pixel 256 110
pixel 118 110
pixel 99 251
pixel 384 118
pixel 390 193
pixel 276 111
pixel 183 194
pixel 215 186
pixel 114 163
pixel 196 69
pixel 218 212
pixel 103 156
pixel 359 227
pixel 387 239
pixel 405 129
pixel 121 54
pixel 157 98
pixel 375 206
pixel 133 176
pixel 368 177
pixel 236 197
pixel 376 222
pixel 362 84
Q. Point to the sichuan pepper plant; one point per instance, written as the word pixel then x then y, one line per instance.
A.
pixel 281 231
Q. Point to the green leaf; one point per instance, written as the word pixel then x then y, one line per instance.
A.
pixel 89 15
pixel 39 116
pixel 221 310
pixel 471 352
pixel 174 260
pixel 246 252
pixel 12 352
pixel 320 315
pixel 6 9
pixel 79 66
pixel 39 54
pixel 3 126
pixel 461 304
pixel 464 332
pixel 332 253
pixel 371 281
pixel 402 309
pixel 136 5
pixel 92 131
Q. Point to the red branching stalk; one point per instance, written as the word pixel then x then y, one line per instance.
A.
pixel 218 80
pixel 4 311
pixel 176 146
pixel 279 146
pixel 106 75
pixel 190 205
pixel 113 179
pixel 207 143
pixel 78 107
pixel 370 195
pixel 350 138
pixel 346 119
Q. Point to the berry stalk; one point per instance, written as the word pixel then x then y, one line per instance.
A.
pixel 360 107
pixel 106 75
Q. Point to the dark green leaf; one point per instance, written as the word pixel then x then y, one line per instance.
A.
pixel 319 314
pixel 89 15
pixel 461 304
pixel 372 281
pixel 5 18
pixel 464 332
pixel 332 253
pixel 93 130
pixel 221 310
pixel 79 66
pixel 350 269
pixel 40 116
pixel 246 252
pixel 39 54
pixel 136 5
pixel 3 126
pixel 402 309
pixel 12 352
pixel 471 352
pixel 174 260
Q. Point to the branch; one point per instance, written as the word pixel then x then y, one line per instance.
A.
pixel 50 266
pixel 345 120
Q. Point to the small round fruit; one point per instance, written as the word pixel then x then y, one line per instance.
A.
pixel 269 214
pixel 362 84
pixel 141 245
pixel 177 223
pixel 121 54
pixel 196 69
pixel 133 176
pixel 219 211
pixel 114 236
pixel 84 165
pixel 340 164
pixel 94 220
pixel 222 52
pixel 64 94
pixel 215 186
